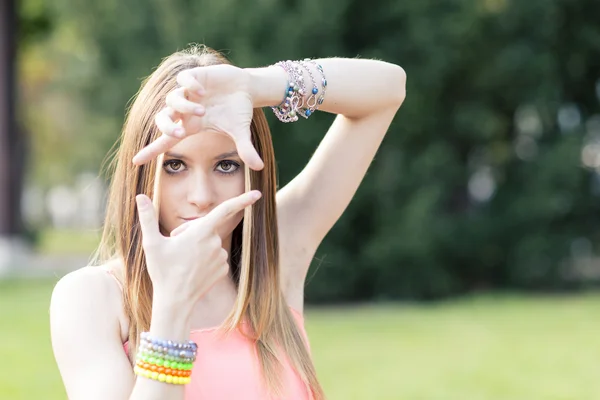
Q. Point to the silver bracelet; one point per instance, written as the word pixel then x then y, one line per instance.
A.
pixel 323 82
pixel 287 111
pixel 311 100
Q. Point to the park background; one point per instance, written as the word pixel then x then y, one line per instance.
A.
pixel 466 267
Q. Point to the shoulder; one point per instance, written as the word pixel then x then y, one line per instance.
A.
pixel 89 282
pixel 86 299
pixel 84 326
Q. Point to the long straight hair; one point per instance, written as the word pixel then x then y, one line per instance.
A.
pixel 255 245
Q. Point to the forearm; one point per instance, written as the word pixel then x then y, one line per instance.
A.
pixel 355 87
pixel 170 322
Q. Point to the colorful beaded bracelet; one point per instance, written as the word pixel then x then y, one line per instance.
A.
pixel 168 350
pixel 163 369
pixel 154 375
pixel 159 362
pixel 165 360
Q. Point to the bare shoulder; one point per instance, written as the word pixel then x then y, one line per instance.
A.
pixel 85 298
pixel 88 283
pixel 85 324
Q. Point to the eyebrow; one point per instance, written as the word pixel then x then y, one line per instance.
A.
pixel 221 156
pixel 229 154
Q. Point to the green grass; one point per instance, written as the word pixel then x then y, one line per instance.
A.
pixel 480 348
pixel 28 371
pixel 68 241
pixel 483 348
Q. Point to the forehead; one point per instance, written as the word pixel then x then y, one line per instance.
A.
pixel 204 144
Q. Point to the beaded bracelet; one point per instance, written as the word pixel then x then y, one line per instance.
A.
pixel 164 360
pixel 311 101
pixel 161 362
pixel 182 352
pixel 294 103
pixel 161 377
pixel 294 96
pixel 323 81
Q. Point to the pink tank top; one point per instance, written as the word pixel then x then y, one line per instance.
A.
pixel 227 367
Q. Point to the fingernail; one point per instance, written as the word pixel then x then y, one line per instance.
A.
pixel 201 92
pixel 199 111
pixel 142 202
pixel 179 132
pixel 256 195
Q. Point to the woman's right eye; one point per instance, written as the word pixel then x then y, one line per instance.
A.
pixel 173 166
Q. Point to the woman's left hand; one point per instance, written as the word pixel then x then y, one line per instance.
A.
pixel 213 98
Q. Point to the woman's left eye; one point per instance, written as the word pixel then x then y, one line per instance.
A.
pixel 227 167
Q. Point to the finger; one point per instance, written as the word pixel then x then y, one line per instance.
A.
pixel 165 121
pixel 180 229
pixel 229 208
pixel 148 220
pixel 178 102
pixel 248 153
pixel 159 146
pixel 187 80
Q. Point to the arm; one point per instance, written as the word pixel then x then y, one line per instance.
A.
pixel 87 344
pixel 356 88
pixel 366 94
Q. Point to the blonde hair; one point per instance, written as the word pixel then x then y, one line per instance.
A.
pixel 254 248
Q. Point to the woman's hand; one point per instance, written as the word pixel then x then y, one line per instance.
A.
pixel 214 98
pixel 186 265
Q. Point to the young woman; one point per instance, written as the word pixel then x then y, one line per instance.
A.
pixel 198 292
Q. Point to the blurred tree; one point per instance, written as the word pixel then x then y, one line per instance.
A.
pixel 479 183
pixel 13 151
pixel 11 143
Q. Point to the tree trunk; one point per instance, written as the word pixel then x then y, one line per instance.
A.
pixel 12 144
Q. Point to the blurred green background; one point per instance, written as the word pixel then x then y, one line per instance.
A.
pixel 466 266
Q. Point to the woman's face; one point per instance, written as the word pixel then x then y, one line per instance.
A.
pixel 199 173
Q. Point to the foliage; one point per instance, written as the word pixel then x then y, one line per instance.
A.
pixel 479 182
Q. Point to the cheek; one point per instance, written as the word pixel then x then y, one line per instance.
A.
pixel 232 188
pixel 229 187
pixel 237 183
pixel 170 196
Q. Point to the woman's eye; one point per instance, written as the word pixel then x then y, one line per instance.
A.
pixel 173 166
pixel 227 167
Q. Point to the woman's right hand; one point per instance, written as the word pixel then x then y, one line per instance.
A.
pixel 186 265
pixel 213 98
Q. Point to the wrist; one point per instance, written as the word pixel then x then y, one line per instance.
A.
pixel 175 308
pixel 267 86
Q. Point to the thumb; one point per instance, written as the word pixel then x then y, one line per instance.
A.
pixel 148 221
pixel 247 152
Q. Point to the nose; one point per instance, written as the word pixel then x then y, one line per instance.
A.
pixel 200 192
